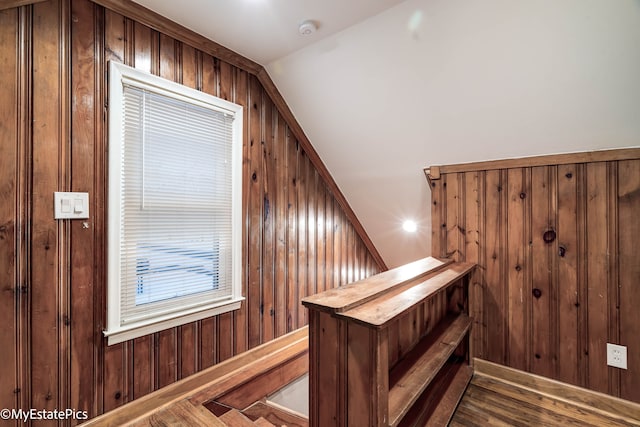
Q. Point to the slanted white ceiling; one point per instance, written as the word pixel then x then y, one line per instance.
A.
pixel 444 81
pixel 265 30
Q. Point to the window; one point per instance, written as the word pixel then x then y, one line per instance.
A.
pixel 175 159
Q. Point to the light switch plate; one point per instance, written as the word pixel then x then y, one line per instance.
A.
pixel 70 205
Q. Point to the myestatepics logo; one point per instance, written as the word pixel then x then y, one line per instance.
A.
pixel 43 414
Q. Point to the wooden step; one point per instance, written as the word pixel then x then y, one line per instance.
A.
pixel 234 418
pixel 275 415
pixel 261 422
pixel 181 413
pixel 413 374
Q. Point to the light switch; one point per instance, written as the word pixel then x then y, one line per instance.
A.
pixel 78 206
pixel 71 205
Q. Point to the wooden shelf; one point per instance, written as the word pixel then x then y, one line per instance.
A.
pixel 392 348
pixel 379 313
pixel 438 403
pixel 355 294
pixel 413 374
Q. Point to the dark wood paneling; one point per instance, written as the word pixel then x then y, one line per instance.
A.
pixel 10 200
pixel 54 57
pixel 558 270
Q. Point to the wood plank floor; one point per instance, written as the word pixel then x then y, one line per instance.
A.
pixel 489 401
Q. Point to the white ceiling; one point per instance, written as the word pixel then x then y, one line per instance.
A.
pixel 265 30
pixel 386 88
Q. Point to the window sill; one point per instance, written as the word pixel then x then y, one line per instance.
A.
pixel 128 332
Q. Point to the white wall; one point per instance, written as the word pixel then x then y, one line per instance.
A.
pixel 449 81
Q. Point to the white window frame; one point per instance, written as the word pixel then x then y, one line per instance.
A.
pixel 116 332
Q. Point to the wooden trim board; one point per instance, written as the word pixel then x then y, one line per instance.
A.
pixel 434 172
pixel 588 399
pixel 10 4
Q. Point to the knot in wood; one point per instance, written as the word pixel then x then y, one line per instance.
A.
pixel 537 293
pixel 549 236
pixel 562 251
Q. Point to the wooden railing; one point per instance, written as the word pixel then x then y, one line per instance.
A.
pixel 236 382
pixel 391 349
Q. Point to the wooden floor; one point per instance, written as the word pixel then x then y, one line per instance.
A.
pixel 491 401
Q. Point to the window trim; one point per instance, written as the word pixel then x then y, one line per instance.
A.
pixel 120 74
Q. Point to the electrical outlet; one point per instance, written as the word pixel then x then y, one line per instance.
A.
pixel 617 356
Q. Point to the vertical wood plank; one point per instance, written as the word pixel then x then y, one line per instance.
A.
pixel 368 382
pixel 268 209
pixel 344 250
pixel 495 303
pixel 10 286
pixel 254 303
pixel 24 189
pixel 330 267
pixel 567 273
pixel 321 268
pixel 84 104
pixel 292 233
pixel 302 225
pixel 454 222
pixel 628 196
pixel 282 185
pixel 337 247
pixel 312 257
pixel 597 295
pixel 613 316
pixel 438 226
pixel 328 361
pixel 472 236
pixel 48 176
pixel 543 242
pixel 518 333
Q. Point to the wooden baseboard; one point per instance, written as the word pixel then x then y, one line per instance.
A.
pixel 603 403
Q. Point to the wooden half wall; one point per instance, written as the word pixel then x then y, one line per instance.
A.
pixel 556 242
pixel 299 235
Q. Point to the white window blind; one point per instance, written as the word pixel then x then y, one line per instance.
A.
pixel 175 157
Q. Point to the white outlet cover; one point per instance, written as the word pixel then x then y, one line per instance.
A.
pixel 617 356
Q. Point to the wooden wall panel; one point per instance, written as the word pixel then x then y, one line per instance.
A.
pixel 297 237
pixel 50 156
pixel 559 275
pixel 10 260
pixel 629 273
